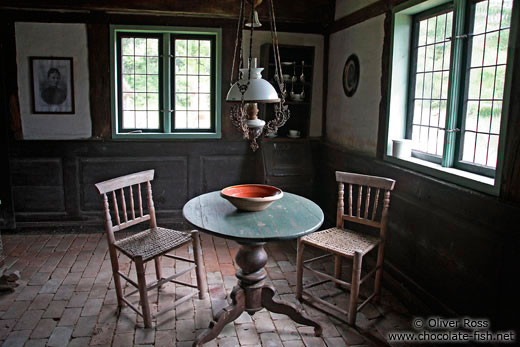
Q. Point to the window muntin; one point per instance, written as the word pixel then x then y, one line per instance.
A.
pixel 193 79
pixel 474 112
pixel 486 63
pixel 429 87
pixel 140 82
pixel 133 117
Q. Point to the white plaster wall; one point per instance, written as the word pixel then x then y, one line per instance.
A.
pixel 284 38
pixel 353 122
pixel 59 40
pixel 346 7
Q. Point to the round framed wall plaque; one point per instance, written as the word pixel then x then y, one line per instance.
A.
pixel 351 75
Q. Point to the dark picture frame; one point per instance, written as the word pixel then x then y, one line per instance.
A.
pixel 351 75
pixel 52 85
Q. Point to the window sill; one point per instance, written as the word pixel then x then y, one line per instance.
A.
pixel 162 136
pixel 467 179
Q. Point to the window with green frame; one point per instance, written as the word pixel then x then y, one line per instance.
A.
pixel 165 83
pixel 459 55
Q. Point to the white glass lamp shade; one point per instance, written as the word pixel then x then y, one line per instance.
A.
pixel 259 90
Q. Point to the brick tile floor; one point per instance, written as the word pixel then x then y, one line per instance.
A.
pixel 66 297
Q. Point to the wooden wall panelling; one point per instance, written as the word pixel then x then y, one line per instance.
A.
pixel 170 185
pixel 225 170
pixel 38 185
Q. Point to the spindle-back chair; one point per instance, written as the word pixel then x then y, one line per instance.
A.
pixel 146 245
pixel 369 211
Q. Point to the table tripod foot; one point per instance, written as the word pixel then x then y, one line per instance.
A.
pixel 277 306
pixel 227 315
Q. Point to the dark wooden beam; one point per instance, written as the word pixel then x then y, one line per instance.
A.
pixel 510 189
pixel 385 79
pixel 99 77
pixel 306 11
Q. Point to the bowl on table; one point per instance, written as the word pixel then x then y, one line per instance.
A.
pixel 251 197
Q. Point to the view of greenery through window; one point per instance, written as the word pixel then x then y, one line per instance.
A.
pixel 486 70
pixel 431 83
pixel 141 81
pixel 485 61
pixel 192 84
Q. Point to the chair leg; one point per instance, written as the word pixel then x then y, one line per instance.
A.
pixel 354 292
pixel 379 272
pixel 299 269
pixel 337 269
pixel 158 269
pixel 143 293
pixel 115 273
pixel 199 269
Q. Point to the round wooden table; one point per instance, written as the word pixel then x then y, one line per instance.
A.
pixel 290 217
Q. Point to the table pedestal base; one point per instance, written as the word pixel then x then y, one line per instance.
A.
pixel 252 294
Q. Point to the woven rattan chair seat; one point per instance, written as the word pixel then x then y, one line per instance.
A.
pixel 152 242
pixel 341 241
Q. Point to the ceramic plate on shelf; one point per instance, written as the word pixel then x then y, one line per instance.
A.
pixel 294 137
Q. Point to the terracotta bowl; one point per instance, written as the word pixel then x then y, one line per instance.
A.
pixel 251 197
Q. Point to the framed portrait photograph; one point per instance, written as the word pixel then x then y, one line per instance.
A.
pixel 52 85
pixel 351 75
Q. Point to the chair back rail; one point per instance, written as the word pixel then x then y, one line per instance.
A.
pixel 116 188
pixel 367 202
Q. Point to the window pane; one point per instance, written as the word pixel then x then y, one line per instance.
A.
pixel 506 14
pixel 140 101
pixel 152 83
pixel 481 149
pixel 483 105
pixel 469 146
pixel 492 151
pixel 128 83
pixel 140 46
pixel 205 48
pixel 471 115
pixel 140 83
pixel 490 57
pixel 128 65
pixel 180 119
pixel 193 48
pixel 153 119
pixel 152 47
pixel 181 84
pixel 141 119
pixel 477 50
pixel 140 65
pixel 193 119
pixel 181 102
pixel 128 119
pixel 496 117
pixel 153 65
pixel 474 83
pixel 128 46
pixel 484 116
pixel 432 59
pixel 205 102
pixel 204 119
pixel 152 101
pixel 180 48
pixel 193 66
pixel 181 66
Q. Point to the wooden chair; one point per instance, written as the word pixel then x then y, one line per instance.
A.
pixel 344 243
pixel 147 245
